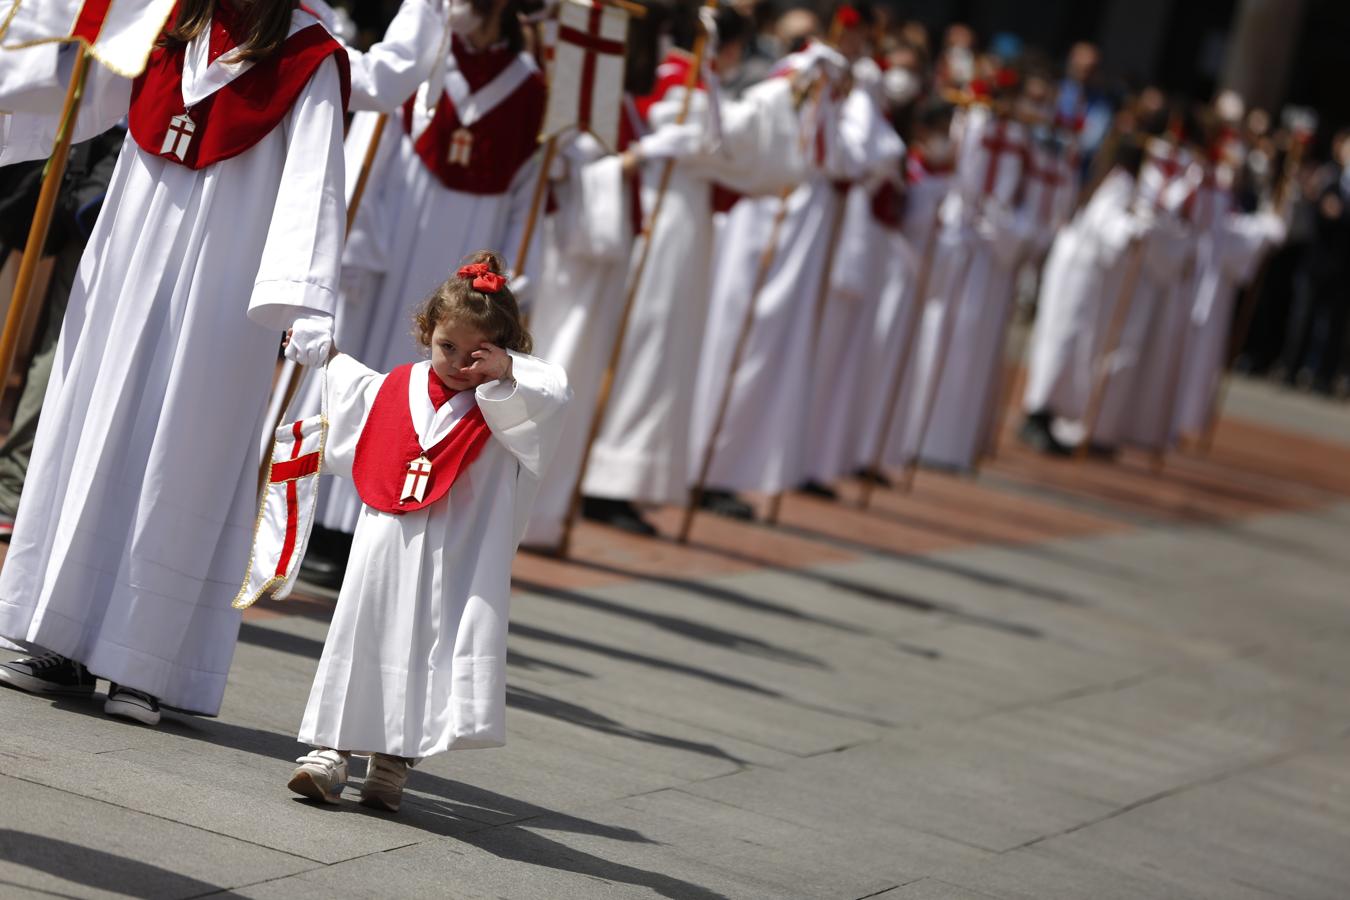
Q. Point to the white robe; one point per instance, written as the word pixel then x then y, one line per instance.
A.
pixel 966 326
pixel 897 316
pixel 642 452
pixel 763 446
pixel 586 261
pixel 1079 286
pixel 134 530
pixel 415 660
pixel 410 234
pixel 1234 253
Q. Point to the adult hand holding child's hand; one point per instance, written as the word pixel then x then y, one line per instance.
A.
pixel 490 363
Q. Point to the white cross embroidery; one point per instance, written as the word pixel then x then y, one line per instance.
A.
pixel 417 479
pixel 461 145
pixel 179 136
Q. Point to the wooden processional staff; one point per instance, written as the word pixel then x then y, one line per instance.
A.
pixel 597 417
pixel 1114 330
pixel 42 216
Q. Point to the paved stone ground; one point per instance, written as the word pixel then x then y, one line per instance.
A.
pixel 1056 680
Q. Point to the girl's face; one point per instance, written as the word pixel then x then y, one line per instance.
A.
pixel 451 344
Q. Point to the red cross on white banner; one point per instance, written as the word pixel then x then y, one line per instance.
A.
pixel 998 145
pixel 586 81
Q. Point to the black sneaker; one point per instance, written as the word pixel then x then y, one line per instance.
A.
pixel 1036 434
pixel 814 488
pixel 725 503
pixel 49 674
pixel 129 703
pixel 618 514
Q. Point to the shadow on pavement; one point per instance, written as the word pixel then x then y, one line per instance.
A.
pixel 96 868
pixel 516 698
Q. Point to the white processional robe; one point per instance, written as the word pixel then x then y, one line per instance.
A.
pixel 140 501
pixel 1079 285
pixel 1142 366
pixel 415 660
pixel 411 232
pixel 1233 253
pixel 763 444
pixel 972 321
pixel 642 452
pixel 897 316
pixel 587 244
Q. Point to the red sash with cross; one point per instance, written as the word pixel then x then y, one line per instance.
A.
pixel 392 471
pixel 238 115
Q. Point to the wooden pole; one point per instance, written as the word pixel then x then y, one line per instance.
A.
pixel 1113 334
pixel 915 320
pixel 946 333
pixel 635 282
pixel 42 216
pixel 737 354
pixel 536 204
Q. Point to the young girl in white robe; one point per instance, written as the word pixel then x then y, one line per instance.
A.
pixel 446 455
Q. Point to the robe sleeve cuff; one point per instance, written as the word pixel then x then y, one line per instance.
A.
pixel 539 390
pixel 276 304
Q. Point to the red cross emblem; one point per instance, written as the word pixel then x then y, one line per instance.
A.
pixel 416 481
pixel 178 137
pixel 998 145
pixel 461 147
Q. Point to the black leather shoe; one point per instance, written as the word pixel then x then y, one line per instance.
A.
pixel 816 489
pixel 725 503
pixel 618 514
pixel 1035 433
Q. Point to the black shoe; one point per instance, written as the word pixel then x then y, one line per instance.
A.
pixel 618 514
pixel 50 674
pixel 129 703
pixel 872 476
pixel 322 570
pixel 725 503
pixel 816 489
pixel 1036 434
pixel 1104 452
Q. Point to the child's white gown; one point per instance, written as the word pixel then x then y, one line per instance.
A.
pixel 415 661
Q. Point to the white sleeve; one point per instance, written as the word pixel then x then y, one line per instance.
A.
pixel 761 149
pixel 866 144
pixel 524 416
pixel 389 72
pixel 366 246
pixel 351 391
pixel 301 260
pixel 38 82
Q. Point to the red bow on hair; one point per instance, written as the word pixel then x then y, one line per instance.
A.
pixel 484 279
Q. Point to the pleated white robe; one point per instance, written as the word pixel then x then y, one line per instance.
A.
pixel 642 452
pixel 764 444
pixel 587 256
pixel 138 510
pixel 1079 287
pixel 415 660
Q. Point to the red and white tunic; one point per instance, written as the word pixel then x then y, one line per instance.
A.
pixel 139 508
pixel 415 661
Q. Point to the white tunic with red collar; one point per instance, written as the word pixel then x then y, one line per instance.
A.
pixel 431 200
pixel 415 660
pixel 138 511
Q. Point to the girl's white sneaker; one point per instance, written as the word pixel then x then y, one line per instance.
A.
pixel 321 775
pixel 383 787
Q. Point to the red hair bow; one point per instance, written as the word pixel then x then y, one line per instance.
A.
pixel 484 279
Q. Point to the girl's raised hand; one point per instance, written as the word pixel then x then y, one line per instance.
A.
pixel 490 363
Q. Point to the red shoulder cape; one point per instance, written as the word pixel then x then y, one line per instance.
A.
pixel 240 114
pixel 388 442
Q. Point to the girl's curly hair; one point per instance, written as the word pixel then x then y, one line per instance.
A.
pixel 495 314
